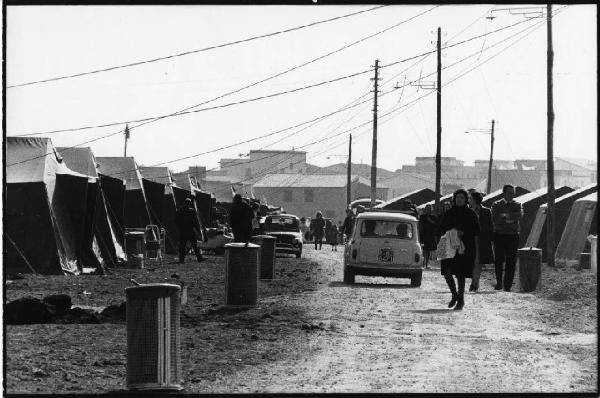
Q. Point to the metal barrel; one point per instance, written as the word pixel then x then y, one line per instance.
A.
pixel 267 255
pixel 530 267
pixel 153 342
pixel 241 274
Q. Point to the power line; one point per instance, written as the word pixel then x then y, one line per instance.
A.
pixel 194 51
pixel 188 111
pixel 276 94
pixel 406 105
pixel 268 96
pixel 395 109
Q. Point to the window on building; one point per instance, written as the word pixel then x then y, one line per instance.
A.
pixel 309 195
pixel 287 195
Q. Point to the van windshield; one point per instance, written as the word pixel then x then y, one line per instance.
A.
pixel 288 224
pixel 387 229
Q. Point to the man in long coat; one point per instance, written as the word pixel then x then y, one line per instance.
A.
pixel 186 219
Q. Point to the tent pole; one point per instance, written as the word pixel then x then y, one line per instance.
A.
pixel 20 253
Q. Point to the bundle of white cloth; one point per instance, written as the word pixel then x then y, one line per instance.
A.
pixel 449 244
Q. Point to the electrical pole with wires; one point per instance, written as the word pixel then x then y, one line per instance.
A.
pixel 126 134
pixel 489 181
pixel 349 177
pixel 438 152
pixel 550 144
pixel 374 152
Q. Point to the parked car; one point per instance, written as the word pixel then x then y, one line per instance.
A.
pixel 384 243
pixel 286 228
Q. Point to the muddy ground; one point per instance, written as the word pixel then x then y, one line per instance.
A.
pixel 312 333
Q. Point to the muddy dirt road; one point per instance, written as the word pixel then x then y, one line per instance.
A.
pixel 312 333
pixel 384 336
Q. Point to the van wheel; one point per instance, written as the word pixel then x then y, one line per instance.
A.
pixel 348 276
pixel 415 281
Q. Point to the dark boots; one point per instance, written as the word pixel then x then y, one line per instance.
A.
pixel 452 286
pixel 458 297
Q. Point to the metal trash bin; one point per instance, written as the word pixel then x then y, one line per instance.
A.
pixel 530 267
pixel 153 342
pixel 585 260
pixel 241 274
pixel 135 247
pixel 267 254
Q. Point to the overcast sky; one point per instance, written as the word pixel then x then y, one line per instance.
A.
pixel 49 41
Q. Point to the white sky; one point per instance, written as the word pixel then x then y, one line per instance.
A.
pixel 49 41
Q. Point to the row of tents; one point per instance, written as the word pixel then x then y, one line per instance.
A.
pixel 66 210
pixel 576 216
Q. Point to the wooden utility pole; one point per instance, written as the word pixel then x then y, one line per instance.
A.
pixel 374 153
pixel 349 179
pixel 550 144
pixel 489 181
pixel 438 152
pixel 126 133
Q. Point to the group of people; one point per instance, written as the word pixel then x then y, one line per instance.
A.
pixel 333 233
pixel 487 236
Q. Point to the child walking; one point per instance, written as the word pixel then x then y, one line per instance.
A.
pixel 333 237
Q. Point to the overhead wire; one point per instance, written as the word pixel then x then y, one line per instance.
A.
pixel 187 110
pixel 355 74
pixel 227 44
pixel 383 93
pixel 478 53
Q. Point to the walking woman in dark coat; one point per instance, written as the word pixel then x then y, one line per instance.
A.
pixel 465 221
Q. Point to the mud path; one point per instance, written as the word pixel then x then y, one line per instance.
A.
pixel 381 335
pixel 312 333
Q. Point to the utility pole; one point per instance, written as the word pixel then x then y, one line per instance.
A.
pixel 374 153
pixel 550 144
pixel 126 133
pixel 349 179
pixel 438 152
pixel 489 181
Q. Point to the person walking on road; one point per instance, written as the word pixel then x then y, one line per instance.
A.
pixel 333 237
pixel 187 223
pixel 427 226
pixel 506 216
pixel 317 227
pixel 348 225
pixel 240 219
pixel 486 228
pixel 464 221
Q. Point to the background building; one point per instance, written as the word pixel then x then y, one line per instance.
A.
pixel 303 195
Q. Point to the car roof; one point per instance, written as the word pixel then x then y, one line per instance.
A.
pixel 281 216
pixel 383 215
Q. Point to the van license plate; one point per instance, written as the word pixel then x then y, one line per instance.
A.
pixel 386 255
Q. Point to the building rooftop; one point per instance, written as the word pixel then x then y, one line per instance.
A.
pixel 276 151
pixel 309 181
